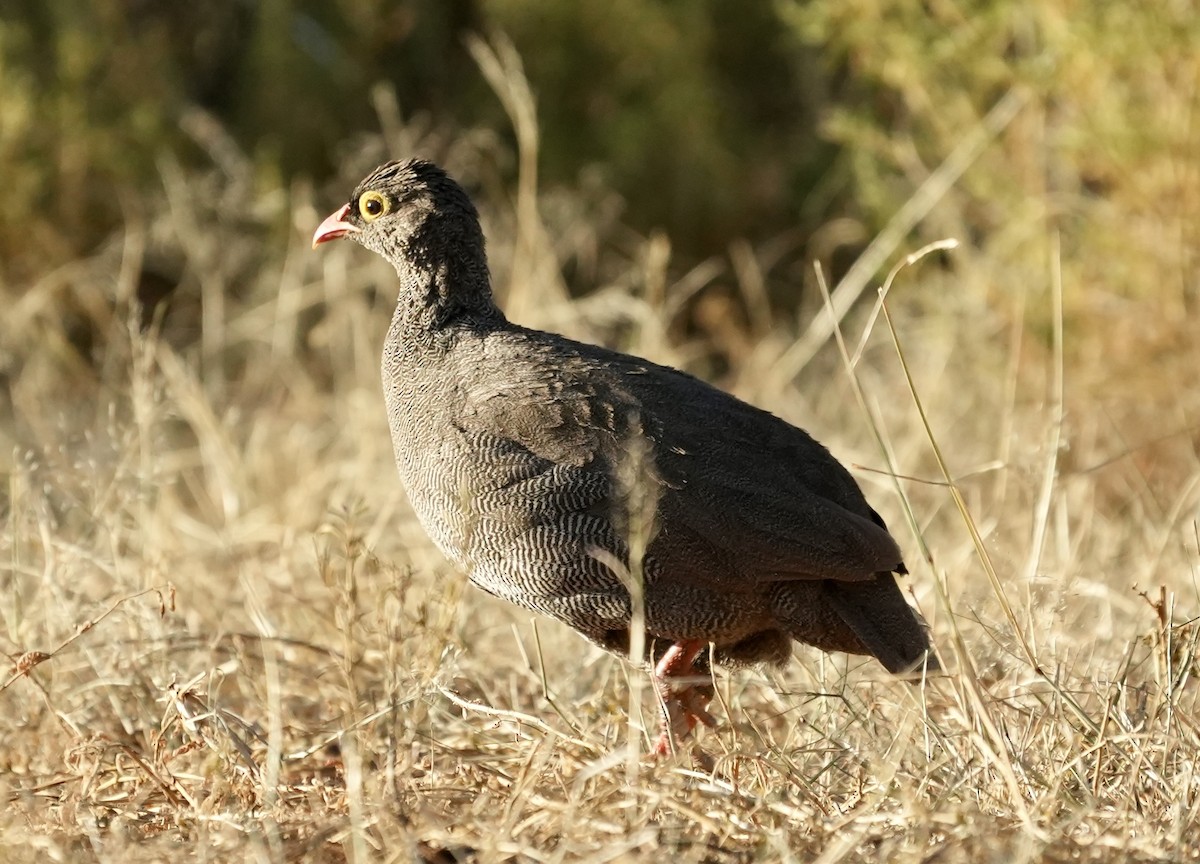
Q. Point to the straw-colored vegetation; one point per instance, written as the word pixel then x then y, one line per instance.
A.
pixel 229 639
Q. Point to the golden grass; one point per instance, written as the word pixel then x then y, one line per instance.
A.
pixel 230 640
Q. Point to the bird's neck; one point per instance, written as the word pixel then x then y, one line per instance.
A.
pixel 440 292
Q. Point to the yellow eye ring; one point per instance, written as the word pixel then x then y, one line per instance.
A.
pixel 372 205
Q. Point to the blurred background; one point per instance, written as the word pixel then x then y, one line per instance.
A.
pixel 708 121
pixel 728 146
pixel 711 122
pixel 189 393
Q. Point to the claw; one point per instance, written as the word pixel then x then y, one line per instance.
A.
pixel 695 704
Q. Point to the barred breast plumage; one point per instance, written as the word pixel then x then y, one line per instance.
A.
pixel 538 464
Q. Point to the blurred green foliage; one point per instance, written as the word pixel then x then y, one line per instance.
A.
pixel 701 114
pixel 1106 153
pixel 712 119
pixel 95 92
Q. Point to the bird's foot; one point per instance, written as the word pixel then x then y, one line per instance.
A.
pixel 683 706
pixel 682 712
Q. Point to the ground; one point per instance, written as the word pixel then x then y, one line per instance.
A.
pixel 230 640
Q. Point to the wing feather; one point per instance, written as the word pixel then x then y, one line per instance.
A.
pixel 762 497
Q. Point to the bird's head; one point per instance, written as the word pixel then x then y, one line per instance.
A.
pixel 403 209
pixel 425 225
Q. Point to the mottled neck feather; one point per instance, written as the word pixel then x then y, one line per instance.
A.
pixel 443 273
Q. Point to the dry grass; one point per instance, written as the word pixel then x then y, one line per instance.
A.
pixel 230 640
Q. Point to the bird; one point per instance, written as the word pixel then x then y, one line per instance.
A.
pixel 610 492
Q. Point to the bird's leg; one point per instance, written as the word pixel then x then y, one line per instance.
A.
pixel 686 706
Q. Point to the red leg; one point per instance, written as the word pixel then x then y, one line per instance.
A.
pixel 683 708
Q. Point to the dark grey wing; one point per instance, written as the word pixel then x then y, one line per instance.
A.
pixel 737 490
pixel 762 489
pixel 553 421
pixel 547 513
pixel 769 538
pixel 553 454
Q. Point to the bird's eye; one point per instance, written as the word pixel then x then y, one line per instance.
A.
pixel 372 205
